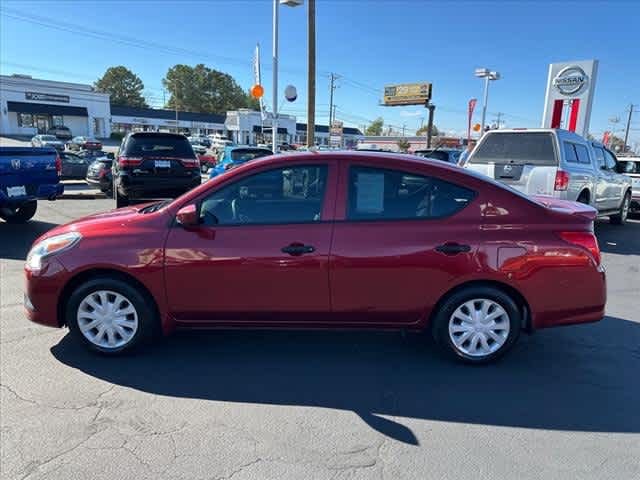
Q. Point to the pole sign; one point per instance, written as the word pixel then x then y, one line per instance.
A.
pixel 570 85
pixel 335 133
pixel 472 106
pixel 256 78
pixel 407 94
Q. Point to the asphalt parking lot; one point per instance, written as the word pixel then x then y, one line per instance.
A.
pixel 565 403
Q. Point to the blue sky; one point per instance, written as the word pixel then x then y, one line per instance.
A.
pixel 369 43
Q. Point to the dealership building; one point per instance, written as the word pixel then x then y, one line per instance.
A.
pixel 29 106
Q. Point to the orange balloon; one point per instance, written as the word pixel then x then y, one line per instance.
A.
pixel 476 127
pixel 257 91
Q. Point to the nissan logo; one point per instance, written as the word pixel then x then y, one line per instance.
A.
pixel 15 163
pixel 570 80
pixel 507 168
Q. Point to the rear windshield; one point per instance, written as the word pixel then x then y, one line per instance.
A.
pixel 246 154
pixel 158 145
pixel 629 166
pixel 534 148
pixel 48 138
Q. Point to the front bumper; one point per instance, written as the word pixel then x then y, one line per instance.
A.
pixel 42 292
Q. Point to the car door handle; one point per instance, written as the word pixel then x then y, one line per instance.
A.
pixel 452 248
pixel 297 249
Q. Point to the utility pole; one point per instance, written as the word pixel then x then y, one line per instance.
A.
pixel 431 107
pixel 404 126
pixel 626 131
pixel 332 86
pixel 498 117
pixel 311 72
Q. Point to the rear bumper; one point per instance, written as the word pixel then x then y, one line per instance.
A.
pixel 100 183
pixel 35 192
pixel 148 185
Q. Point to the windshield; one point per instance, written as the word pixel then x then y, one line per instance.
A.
pixel 159 145
pixel 531 148
pixel 240 155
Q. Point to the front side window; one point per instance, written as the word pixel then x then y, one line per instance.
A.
pixel 610 160
pixel 599 157
pixel 283 195
pixel 379 194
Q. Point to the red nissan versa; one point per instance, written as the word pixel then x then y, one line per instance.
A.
pixel 325 240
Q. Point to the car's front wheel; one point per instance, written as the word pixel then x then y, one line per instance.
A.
pixel 477 324
pixel 110 316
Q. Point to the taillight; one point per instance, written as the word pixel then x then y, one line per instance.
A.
pixel 129 161
pixel 190 162
pixel 58 164
pixel 562 180
pixel 586 240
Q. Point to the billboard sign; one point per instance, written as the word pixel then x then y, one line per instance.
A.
pixel 569 95
pixel 407 94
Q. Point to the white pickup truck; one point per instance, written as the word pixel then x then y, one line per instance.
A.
pixel 557 163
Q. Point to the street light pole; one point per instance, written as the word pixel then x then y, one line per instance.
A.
pixel 484 103
pixel 274 122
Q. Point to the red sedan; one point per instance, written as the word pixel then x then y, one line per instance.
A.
pixel 325 240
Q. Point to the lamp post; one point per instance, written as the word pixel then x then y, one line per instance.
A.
pixel 274 122
pixel 488 75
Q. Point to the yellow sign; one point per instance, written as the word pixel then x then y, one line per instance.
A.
pixel 407 94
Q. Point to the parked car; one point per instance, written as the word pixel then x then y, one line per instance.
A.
pixel 630 166
pixel 47 141
pixel 449 155
pixel 154 164
pixel 73 166
pixel 197 146
pixel 84 143
pixel 201 140
pixel 232 156
pixel 92 155
pixel 557 163
pixel 449 252
pixel 26 176
pixel 99 175
pixel 60 132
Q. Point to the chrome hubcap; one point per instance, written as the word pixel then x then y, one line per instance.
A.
pixel 479 327
pixel 107 319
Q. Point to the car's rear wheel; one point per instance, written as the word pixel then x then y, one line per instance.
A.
pixel 110 316
pixel 621 217
pixel 21 214
pixel 121 200
pixel 477 324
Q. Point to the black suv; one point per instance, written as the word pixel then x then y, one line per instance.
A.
pixel 154 165
pixel 61 132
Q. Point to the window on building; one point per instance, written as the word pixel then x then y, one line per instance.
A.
pixel 25 120
pixel 378 194
pixel 57 120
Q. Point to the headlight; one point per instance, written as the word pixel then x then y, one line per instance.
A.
pixel 51 246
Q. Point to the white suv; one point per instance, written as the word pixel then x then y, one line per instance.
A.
pixel 557 163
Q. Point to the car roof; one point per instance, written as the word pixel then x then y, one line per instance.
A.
pixel 559 132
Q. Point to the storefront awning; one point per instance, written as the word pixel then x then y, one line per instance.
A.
pixel 43 108
pixel 259 129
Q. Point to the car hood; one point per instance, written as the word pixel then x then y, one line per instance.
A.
pixel 52 142
pixel 112 220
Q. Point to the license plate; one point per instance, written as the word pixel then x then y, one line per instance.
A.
pixel 162 163
pixel 18 191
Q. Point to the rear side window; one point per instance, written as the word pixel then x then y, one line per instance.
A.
pixel 570 154
pixel 599 156
pixel 380 194
pixel 534 148
pixel 583 154
pixel 158 145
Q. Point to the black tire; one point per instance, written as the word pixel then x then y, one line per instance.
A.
pixel 21 214
pixel 620 218
pixel 440 325
pixel 583 197
pixel 148 321
pixel 121 200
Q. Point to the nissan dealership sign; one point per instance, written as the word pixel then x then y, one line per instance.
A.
pixel 569 95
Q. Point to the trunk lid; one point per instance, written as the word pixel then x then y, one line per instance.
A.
pixel 579 211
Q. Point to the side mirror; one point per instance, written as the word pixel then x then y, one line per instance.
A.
pixel 187 216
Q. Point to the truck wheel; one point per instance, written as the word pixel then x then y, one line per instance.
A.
pixel 21 214
pixel 621 217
